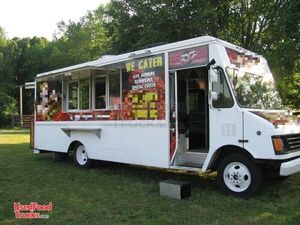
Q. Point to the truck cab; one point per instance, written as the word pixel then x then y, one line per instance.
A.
pixel 240 127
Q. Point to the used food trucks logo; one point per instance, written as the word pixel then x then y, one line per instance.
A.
pixel 32 211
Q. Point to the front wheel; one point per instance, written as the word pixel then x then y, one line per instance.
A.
pixel 239 176
pixel 81 158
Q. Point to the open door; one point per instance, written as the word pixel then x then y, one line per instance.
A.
pixel 189 116
pixel 193 108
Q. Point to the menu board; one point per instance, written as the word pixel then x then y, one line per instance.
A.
pixel 144 88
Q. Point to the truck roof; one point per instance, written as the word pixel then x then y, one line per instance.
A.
pixel 110 59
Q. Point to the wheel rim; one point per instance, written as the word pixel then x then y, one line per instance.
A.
pixel 237 177
pixel 81 155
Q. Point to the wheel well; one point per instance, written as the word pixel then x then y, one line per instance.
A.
pixel 73 145
pixel 224 151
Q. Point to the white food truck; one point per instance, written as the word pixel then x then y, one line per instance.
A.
pixel 201 104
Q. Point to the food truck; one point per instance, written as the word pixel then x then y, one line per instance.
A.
pixel 201 104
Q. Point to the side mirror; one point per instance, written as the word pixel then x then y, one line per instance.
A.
pixel 214 95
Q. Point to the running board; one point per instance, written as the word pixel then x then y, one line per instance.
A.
pixel 195 165
pixel 194 169
pixel 190 159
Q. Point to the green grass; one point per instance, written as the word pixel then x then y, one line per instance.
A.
pixel 122 194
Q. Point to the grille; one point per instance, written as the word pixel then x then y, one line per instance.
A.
pixel 294 142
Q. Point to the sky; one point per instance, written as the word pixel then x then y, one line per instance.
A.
pixel 28 18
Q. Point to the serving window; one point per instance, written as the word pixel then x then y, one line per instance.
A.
pixel 107 91
pixel 114 91
pixel 129 90
pixel 100 92
pixel 78 94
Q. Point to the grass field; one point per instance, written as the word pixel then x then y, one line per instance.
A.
pixel 122 194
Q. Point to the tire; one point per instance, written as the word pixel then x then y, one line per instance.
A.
pixel 239 176
pixel 81 158
pixel 59 156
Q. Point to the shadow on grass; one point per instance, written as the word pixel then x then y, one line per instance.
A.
pixel 149 175
pixel 142 174
pixel 201 183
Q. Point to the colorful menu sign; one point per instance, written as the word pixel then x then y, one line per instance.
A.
pixel 143 72
pixel 188 57
pixel 144 89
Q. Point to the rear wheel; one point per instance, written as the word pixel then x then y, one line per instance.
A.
pixel 239 176
pixel 81 158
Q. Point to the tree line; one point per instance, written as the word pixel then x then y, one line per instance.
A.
pixel 268 27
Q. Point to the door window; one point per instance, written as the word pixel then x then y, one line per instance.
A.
pixel 224 98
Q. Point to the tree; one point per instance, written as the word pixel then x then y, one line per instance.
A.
pixel 81 41
pixel 134 24
pixel 268 27
pixel 2 33
pixel 7 103
pixel 290 87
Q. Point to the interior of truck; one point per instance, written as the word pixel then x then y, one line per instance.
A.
pixel 192 112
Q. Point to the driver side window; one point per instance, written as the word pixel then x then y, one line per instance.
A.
pixel 224 98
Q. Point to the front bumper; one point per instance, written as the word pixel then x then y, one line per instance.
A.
pixel 290 167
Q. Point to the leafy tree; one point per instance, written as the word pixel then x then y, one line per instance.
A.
pixel 7 103
pixel 268 27
pixel 133 24
pixel 290 87
pixel 77 42
pixel 2 33
pixel 8 110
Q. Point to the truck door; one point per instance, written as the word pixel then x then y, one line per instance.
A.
pixel 225 118
pixel 192 108
pixel 189 116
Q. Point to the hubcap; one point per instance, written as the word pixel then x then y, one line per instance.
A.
pixel 81 155
pixel 237 177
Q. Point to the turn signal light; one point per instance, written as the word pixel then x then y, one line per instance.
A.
pixel 278 144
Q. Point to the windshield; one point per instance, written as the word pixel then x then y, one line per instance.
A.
pixel 254 90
